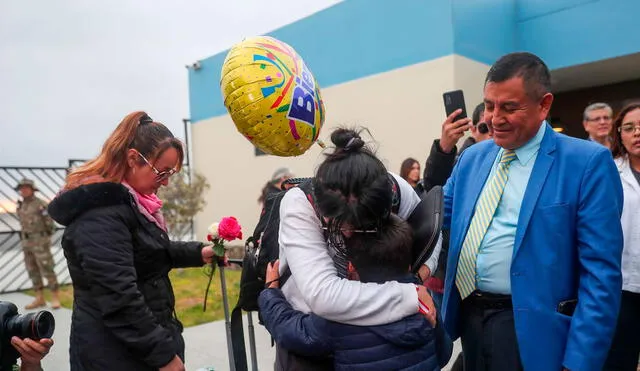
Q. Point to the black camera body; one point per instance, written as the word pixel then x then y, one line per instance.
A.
pixel 35 326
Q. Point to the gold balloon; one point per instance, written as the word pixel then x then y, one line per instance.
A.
pixel 272 96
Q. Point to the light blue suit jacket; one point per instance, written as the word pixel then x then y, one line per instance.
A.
pixel 568 245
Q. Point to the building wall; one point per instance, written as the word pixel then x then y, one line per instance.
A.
pixel 384 65
pixel 568 107
pixel 403 109
pixel 348 41
pixel 571 32
pixel 562 32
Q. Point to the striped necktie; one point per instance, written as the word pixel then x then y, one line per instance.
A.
pixel 485 209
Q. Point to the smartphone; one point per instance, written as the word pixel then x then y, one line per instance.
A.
pixel 454 100
pixel 567 307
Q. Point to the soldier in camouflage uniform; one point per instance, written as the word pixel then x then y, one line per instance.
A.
pixel 37 228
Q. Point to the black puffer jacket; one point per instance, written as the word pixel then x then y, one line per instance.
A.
pixel 123 316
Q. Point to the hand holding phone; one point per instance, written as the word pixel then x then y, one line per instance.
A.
pixel 457 123
pixel 452 131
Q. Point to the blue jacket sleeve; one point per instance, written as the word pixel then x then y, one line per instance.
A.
pixel 301 333
pixel 599 243
pixel 448 191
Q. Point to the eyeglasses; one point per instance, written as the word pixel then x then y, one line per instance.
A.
pixel 600 118
pixel 345 230
pixel 161 176
pixel 629 127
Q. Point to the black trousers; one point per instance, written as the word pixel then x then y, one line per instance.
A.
pixel 488 333
pixel 625 348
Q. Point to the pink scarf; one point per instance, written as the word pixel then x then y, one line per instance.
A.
pixel 149 206
pixel 152 203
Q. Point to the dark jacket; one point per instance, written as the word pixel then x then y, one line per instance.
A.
pixel 467 143
pixel 437 170
pixel 408 344
pixel 438 167
pixel 123 315
pixel 419 188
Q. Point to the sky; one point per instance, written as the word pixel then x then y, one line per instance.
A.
pixel 71 69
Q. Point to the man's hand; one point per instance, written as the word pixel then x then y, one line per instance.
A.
pixel 273 275
pixel 425 298
pixel 452 131
pixel 31 351
pixel 175 365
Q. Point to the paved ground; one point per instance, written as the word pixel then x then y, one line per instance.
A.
pixel 206 344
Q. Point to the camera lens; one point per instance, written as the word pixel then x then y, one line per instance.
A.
pixel 31 325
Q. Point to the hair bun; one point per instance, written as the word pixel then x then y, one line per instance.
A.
pixel 347 140
pixel 145 119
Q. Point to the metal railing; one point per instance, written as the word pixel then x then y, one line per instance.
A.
pixel 49 181
pixel 13 273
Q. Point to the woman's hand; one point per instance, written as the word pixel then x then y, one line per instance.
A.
pixel 352 273
pixel 208 254
pixel 31 351
pixel 273 275
pixel 424 273
pixel 426 299
pixel 175 365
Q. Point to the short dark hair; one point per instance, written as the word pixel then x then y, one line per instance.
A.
pixel 352 186
pixel 477 112
pixel 384 255
pixel 534 72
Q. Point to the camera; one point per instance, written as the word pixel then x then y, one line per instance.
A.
pixel 36 326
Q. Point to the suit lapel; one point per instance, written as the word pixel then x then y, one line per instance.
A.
pixel 539 174
pixel 475 187
pixel 470 192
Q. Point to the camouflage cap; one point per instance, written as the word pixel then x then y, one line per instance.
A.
pixel 26 182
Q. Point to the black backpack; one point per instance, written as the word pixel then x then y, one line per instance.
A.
pixel 262 247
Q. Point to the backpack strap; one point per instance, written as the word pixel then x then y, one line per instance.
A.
pixel 397 196
pixel 237 340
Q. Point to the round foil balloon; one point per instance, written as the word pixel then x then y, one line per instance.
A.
pixel 272 97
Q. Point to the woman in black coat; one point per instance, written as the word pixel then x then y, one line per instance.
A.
pixel 119 254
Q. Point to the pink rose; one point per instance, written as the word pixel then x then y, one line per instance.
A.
pixel 229 229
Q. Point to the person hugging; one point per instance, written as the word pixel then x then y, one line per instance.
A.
pixel 375 255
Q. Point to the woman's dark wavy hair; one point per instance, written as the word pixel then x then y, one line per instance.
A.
pixel 617 148
pixel 352 186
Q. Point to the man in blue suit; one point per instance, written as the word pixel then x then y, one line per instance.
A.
pixel 534 279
